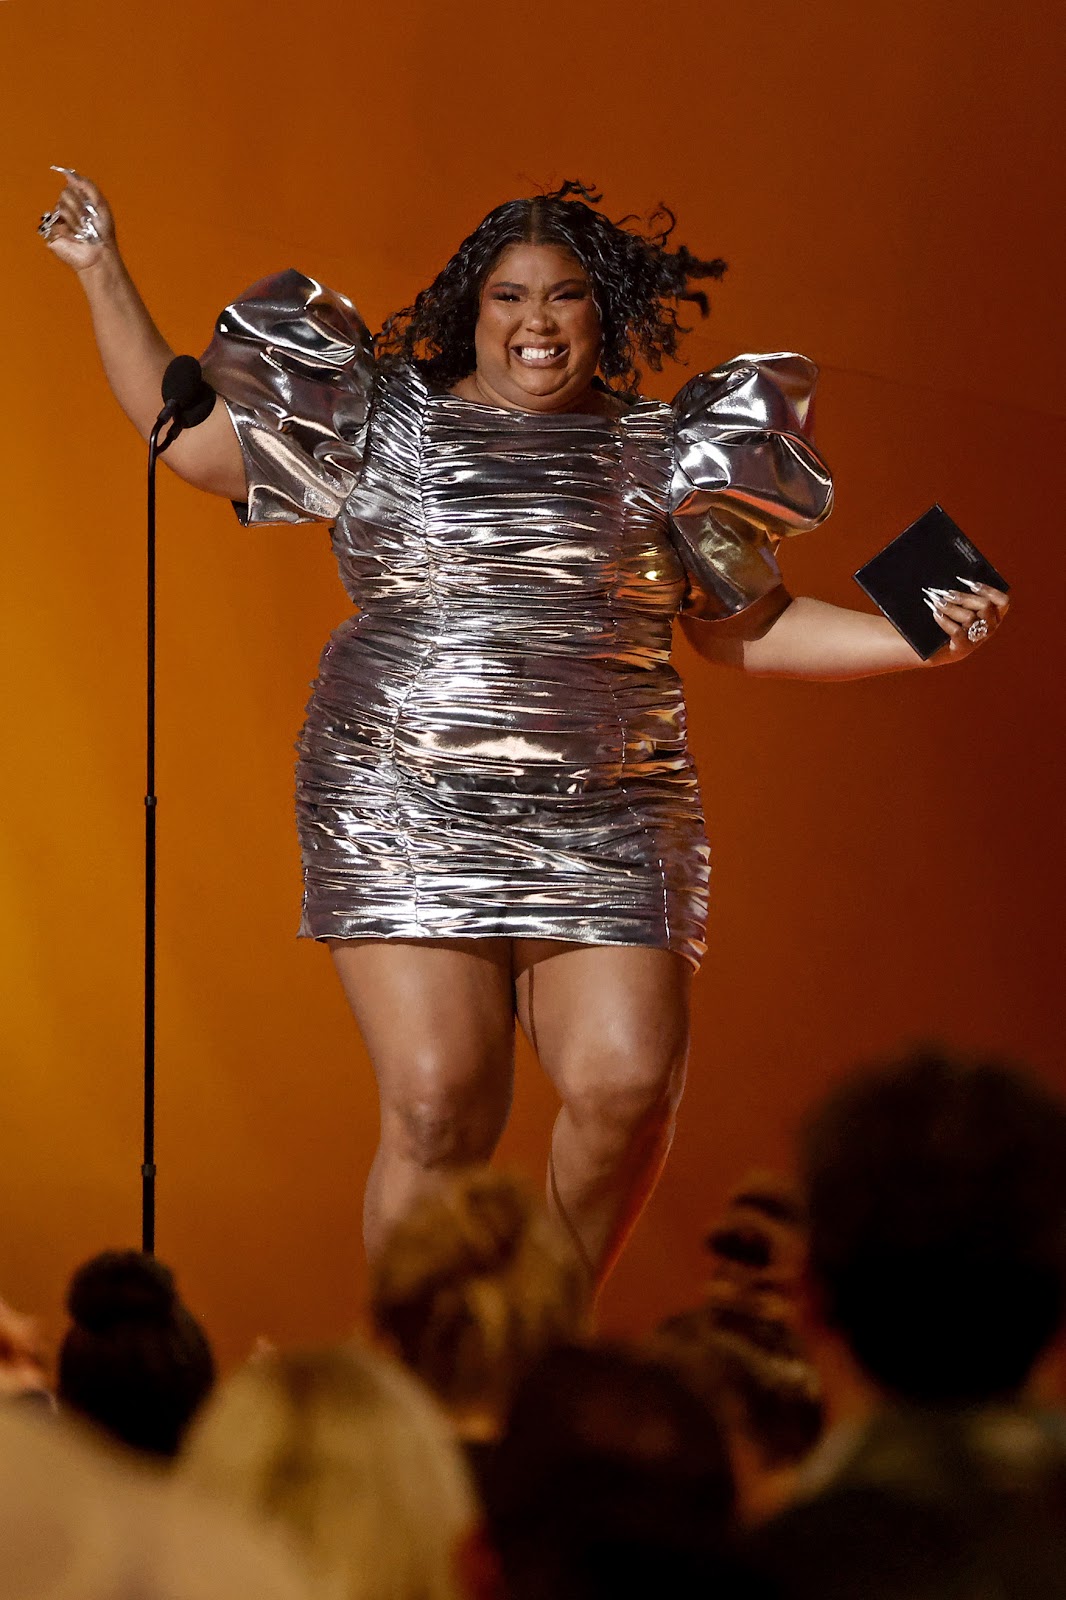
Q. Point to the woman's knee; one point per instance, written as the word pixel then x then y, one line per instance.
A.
pixel 627 1094
pixel 440 1112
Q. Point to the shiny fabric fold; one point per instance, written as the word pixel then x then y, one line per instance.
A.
pixel 295 365
pixel 745 476
pixel 495 744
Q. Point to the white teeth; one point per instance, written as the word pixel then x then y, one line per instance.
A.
pixel 532 352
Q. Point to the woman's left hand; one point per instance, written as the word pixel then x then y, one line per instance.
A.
pixel 968 615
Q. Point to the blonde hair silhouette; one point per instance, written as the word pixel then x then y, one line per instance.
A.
pixel 474 1284
pixel 346 1452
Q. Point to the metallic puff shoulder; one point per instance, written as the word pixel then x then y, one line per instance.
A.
pixel 745 475
pixel 295 365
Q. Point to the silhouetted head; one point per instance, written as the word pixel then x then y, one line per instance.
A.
pixel 936 1191
pixel 473 1286
pixel 347 1455
pixel 612 1478
pixel 134 1360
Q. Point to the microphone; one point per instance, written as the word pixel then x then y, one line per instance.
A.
pixel 189 399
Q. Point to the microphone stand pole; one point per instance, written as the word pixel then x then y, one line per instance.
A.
pixel 156 446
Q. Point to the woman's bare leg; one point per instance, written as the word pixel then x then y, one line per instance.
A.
pixel 610 1025
pixel 437 1019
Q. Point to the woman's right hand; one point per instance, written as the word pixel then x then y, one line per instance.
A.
pixel 80 230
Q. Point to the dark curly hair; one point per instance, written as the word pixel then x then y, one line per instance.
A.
pixel 635 282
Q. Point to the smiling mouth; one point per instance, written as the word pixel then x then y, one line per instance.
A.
pixel 539 355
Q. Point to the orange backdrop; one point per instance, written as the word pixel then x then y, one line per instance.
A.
pixel 888 862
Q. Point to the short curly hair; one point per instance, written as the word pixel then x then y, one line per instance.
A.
pixel 636 282
pixel 936 1189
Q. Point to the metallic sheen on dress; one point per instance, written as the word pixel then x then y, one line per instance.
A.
pixel 495 744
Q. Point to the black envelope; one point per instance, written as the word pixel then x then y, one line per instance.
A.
pixel 935 553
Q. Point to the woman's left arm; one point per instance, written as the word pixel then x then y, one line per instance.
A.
pixel 782 637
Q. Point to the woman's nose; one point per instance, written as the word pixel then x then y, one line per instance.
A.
pixel 540 317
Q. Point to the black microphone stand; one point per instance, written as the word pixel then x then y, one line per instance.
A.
pixel 156 447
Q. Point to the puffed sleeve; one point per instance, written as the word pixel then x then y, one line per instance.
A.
pixel 745 475
pixel 295 365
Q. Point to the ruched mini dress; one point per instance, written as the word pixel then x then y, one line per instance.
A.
pixel 495 744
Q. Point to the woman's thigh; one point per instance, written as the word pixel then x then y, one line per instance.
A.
pixel 610 1023
pixel 437 1019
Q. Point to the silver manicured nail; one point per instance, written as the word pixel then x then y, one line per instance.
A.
pixel 976 587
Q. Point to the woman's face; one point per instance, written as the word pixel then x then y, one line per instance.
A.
pixel 538 330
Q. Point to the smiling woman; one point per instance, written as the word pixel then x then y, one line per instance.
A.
pixel 537 342
pixel 627 282
pixel 497 806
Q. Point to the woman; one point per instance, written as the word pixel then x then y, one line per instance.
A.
pixel 742 1348
pixel 134 1360
pixel 473 1285
pixel 498 812
pixel 612 1478
pixel 346 1455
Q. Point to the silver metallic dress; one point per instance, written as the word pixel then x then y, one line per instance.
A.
pixel 495 744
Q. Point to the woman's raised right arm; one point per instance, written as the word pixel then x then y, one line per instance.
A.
pixel 81 232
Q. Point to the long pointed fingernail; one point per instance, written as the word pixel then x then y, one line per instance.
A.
pixel 69 171
pixel 936 594
pixel 934 608
pixel 976 587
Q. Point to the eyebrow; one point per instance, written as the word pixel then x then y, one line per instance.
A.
pixel 564 283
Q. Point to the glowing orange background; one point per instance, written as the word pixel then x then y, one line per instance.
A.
pixel 882 179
